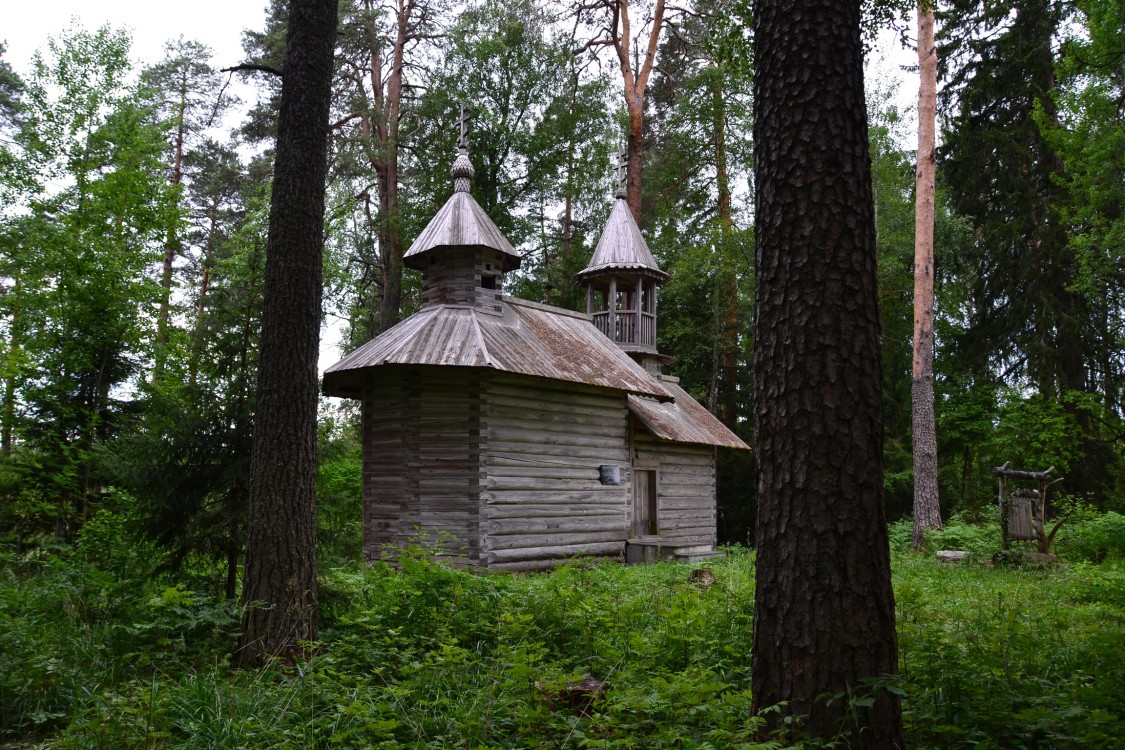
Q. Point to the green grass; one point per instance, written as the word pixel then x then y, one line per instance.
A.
pixel 97 652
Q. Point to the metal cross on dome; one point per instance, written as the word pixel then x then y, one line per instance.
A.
pixel 463 125
pixel 622 170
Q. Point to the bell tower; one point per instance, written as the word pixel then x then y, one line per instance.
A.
pixel 622 280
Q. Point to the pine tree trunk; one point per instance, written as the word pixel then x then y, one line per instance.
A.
pixel 204 285
pixel 551 274
pixel 635 145
pixel 927 513
pixel 171 241
pixel 567 249
pixel 635 82
pixel 824 617
pixel 8 416
pixel 279 593
pixel 382 121
pixel 390 239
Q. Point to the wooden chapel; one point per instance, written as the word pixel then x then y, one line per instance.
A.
pixel 513 435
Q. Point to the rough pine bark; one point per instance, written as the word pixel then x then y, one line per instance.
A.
pixel 824 610
pixel 279 592
pixel 927 513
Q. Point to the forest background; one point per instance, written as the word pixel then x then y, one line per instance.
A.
pixel 132 244
pixel 132 237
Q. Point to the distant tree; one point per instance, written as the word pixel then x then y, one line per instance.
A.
pixel 698 152
pixel 13 236
pixel 185 90
pixel 527 99
pixel 80 302
pixel 226 200
pixel 927 512
pixel 186 458
pixel 280 590
pixel 1033 322
pixel 11 87
pixel 264 56
pixel 1090 102
pixel 697 220
pixel 824 622
pixel 893 178
pixel 381 46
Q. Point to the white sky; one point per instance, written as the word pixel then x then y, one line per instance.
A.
pixel 219 24
pixel 26 24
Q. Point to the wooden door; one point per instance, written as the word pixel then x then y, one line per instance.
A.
pixel 644 502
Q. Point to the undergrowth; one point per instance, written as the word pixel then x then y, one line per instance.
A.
pixel 98 650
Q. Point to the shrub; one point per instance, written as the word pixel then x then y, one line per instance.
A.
pixel 425 656
pixel 981 540
pixel 78 621
pixel 1092 537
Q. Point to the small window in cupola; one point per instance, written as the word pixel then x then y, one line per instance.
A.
pixel 487 282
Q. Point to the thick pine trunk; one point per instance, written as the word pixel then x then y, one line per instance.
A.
pixel 390 253
pixel 635 145
pixel 927 513
pixel 824 610
pixel 279 593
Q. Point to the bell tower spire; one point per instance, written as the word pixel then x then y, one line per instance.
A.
pixel 461 253
pixel 621 281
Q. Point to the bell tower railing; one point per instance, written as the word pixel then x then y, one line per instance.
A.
pixel 628 327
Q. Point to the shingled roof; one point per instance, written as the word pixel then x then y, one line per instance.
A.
pixel 622 247
pixel 461 222
pixel 683 420
pixel 526 339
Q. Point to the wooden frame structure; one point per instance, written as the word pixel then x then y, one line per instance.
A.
pixel 1023 512
pixel 514 435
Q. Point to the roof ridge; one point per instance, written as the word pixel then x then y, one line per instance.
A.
pixel 480 338
pixel 520 302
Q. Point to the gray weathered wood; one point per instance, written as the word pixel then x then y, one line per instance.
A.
pixel 558 551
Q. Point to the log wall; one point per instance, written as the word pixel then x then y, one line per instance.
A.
pixel 454 277
pixel 685 487
pixel 421 458
pixel 503 471
pixel 541 500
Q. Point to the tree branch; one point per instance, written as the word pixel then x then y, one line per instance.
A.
pixel 345 120
pixel 252 68
pixel 653 39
